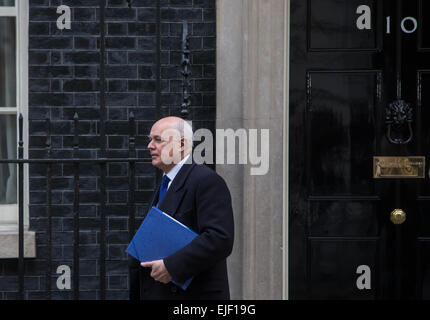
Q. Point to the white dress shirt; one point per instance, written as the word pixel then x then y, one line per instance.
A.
pixel 174 171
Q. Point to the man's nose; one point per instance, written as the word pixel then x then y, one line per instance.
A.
pixel 150 145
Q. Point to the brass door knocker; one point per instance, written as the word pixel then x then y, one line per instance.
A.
pixel 399 113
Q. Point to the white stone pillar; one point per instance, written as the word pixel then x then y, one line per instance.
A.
pixel 251 94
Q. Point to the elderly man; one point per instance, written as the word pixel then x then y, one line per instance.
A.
pixel 198 197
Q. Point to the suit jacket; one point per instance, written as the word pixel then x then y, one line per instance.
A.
pixel 199 198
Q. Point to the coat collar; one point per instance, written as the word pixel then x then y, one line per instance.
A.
pixel 176 191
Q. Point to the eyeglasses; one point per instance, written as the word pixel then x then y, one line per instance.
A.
pixel 156 140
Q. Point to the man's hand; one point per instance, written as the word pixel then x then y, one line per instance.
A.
pixel 159 271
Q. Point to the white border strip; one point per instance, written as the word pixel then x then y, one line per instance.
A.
pixel 22 58
pixel 9 11
pixel 285 225
pixel 8 111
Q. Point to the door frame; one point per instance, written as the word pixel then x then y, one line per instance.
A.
pixel 286 152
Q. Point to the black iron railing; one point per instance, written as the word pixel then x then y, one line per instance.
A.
pixel 76 161
pixel 186 73
pixel 102 162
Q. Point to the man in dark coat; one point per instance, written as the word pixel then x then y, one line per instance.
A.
pixel 198 197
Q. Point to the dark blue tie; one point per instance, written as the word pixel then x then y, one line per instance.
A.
pixel 163 188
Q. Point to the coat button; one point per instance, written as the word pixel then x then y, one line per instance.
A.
pixel 174 289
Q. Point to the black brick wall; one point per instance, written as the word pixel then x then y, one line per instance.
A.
pixel 63 79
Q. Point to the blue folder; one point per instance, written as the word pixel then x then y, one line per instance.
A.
pixel 159 236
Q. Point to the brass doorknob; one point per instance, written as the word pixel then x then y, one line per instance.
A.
pixel 398 216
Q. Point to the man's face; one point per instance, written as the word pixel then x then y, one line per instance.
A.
pixel 164 145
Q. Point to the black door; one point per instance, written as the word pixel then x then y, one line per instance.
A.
pixel 350 61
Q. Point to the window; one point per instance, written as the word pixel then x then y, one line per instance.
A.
pixel 13 101
pixel 8 114
pixel 7 3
